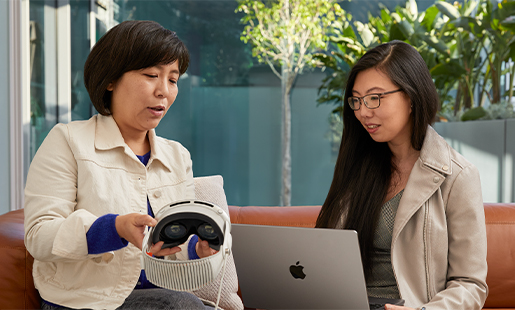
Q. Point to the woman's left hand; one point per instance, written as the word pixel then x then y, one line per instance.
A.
pixel 393 307
pixel 203 249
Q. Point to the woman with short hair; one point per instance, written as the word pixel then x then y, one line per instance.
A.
pixel 94 186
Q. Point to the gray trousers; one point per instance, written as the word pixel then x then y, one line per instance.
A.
pixel 154 298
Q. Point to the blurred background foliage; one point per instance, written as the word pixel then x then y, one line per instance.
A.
pixel 469 48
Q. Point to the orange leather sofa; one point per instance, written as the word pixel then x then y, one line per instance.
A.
pixel 17 287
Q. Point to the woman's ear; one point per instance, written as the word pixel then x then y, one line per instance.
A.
pixel 110 87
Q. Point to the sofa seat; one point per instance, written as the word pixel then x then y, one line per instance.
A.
pixel 17 287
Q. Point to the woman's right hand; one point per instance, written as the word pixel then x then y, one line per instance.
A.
pixel 132 227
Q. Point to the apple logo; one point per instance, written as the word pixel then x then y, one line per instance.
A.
pixel 296 271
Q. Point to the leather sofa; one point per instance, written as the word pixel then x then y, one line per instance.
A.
pixel 17 287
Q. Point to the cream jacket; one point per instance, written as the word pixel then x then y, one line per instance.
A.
pixel 439 235
pixel 82 171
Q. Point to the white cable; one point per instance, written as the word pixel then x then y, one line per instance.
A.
pixel 226 254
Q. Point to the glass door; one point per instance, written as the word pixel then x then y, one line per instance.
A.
pixel 43 71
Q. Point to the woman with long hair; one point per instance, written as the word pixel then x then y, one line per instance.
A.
pixel 415 202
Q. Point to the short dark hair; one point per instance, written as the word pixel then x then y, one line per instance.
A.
pixel 131 45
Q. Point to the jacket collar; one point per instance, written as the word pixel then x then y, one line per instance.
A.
pixel 108 136
pixel 427 175
pixel 436 153
pixel 157 152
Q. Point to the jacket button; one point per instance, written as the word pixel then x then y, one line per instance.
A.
pixel 157 194
pixel 436 179
pixel 445 168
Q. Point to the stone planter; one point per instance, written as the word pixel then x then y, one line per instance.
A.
pixel 490 146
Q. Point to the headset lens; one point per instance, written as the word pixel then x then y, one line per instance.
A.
pixel 175 231
pixel 206 232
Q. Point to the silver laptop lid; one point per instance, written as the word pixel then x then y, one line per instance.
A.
pixel 299 268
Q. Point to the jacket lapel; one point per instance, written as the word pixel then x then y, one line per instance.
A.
pixel 429 172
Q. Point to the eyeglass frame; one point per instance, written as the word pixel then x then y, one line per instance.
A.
pixel 363 101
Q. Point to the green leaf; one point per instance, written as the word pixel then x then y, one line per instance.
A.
pixel 471 5
pixel 437 44
pixel 429 17
pixel 467 23
pixel 326 60
pixel 406 28
pixel 385 16
pixel 448 10
pixel 396 33
pixel 473 114
pixel 509 23
pixel 451 68
pixel 367 36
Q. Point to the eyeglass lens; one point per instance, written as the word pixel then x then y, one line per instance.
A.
pixel 371 101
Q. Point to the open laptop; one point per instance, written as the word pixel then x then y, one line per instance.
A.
pixel 300 268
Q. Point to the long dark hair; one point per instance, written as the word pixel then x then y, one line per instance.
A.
pixel 130 45
pixel 364 167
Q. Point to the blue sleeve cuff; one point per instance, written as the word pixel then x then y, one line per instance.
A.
pixel 192 252
pixel 102 236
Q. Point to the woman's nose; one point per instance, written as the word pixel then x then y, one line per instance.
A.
pixel 162 88
pixel 364 111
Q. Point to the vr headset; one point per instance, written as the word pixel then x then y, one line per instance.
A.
pixel 176 222
pixel 175 228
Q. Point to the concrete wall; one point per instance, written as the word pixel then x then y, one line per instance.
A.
pixel 490 146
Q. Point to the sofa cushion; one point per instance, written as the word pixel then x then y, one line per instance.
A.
pixel 211 189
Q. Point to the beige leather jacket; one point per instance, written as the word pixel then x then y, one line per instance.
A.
pixel 439 235
pixel 82 171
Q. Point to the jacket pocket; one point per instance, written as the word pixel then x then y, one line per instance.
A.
pixel 88 276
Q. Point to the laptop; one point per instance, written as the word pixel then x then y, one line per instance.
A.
pixel 300 268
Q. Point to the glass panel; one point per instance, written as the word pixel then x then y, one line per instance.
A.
pixel 228 110
pixel 43 68
pixel 80 40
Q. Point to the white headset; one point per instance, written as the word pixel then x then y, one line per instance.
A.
pixel 187 275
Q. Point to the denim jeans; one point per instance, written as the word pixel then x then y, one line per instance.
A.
pixel 151 299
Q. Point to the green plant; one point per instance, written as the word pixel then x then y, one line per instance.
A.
pixel 285 33
pixel 353 40
pixel 466 46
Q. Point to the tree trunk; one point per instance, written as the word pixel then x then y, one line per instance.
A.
pixel 286 85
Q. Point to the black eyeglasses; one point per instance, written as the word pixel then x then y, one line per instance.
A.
pixel 371 101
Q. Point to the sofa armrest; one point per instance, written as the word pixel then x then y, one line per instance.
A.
pixel 500 232
pixel 17 285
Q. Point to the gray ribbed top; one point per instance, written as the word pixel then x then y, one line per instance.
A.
pixel 382 280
